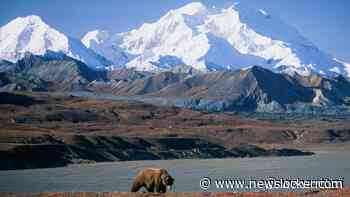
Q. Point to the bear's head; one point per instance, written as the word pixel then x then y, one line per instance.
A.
pixel 168 181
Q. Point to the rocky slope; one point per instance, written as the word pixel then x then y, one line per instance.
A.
pixel 251 89
pixel 85 149
pixel 38 73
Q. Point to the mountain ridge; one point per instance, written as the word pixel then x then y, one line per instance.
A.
pixel 47 73
pixel 250 89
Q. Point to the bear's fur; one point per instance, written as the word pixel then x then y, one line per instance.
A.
pixel 153 179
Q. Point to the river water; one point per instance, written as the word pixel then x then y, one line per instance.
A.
pixel 117 176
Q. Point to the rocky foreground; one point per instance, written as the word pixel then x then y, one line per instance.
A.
pixel 322 193
pixel 40 130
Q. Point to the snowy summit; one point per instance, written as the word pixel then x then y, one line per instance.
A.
pixel 31 34
pixel 193 37
pixel 214 38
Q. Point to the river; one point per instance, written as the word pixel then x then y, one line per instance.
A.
pixel 117 176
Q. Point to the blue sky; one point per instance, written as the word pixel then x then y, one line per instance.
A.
pixel 324 22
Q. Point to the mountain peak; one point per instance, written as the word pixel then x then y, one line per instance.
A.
pixel 256 70
pixel 214 39
pixel 27 23
pixel 30 20
pixel 33 18
pixel 97 36
pixel 207 39
pixel 192 8
pixel 31 34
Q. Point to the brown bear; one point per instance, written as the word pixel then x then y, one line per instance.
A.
pixel 153 179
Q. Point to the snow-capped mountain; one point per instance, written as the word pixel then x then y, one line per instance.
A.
pixel 103 43
pixel 213 39
pixel 31 34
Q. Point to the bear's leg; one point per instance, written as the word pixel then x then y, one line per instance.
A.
pixel 162 189
pixel 159 189
pixel 135 187
pixel 150 188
